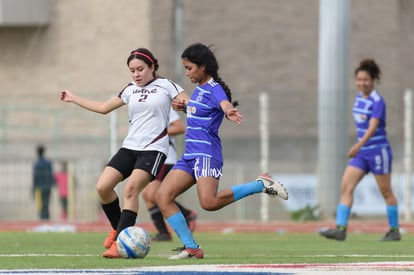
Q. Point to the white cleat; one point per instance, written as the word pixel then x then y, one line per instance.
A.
pixel 188 253
pixel 273 188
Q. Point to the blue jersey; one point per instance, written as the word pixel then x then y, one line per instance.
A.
pixel 366 108
pixel 204 117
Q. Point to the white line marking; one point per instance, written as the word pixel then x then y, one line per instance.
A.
pixel 293 269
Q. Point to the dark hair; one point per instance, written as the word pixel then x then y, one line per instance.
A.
pixel 201 54
pixel 371 67
pixel 40 150
pixel 144 55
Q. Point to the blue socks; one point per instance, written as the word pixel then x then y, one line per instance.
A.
pixel 343 211
pixel 342 215
pixel 244 190
pixel 392 214
pixel 178 223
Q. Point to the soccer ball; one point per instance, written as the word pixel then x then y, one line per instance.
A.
pixel 133 242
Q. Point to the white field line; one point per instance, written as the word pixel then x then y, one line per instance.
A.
pixel 381 268
pixel 211 257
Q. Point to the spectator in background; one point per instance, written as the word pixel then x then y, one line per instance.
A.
pixel 43 182
pixel 61 178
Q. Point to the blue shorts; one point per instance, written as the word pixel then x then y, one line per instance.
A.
pixel 200 167
pixel 377 161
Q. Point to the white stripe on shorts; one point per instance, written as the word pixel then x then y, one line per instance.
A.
pixel 385 161
pixel 154 170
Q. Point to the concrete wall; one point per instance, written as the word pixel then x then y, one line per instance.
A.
pixel 269 45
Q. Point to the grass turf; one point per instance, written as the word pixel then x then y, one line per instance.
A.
pixel 28 250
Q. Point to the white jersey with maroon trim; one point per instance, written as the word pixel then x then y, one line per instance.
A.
pixel 148 111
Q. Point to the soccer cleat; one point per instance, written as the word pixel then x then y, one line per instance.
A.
pixel 273 188
pixel 112 252
pixel 162 237
pixel 110 238
pixel 392 235
pixel 191 220
pixel 334 234
pixel 188 253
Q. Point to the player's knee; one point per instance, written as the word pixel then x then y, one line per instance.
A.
pixel 145 195
pixel 102 190
pixel 208 205
pixel 131 190
pixel 160 198
pixel 388 195
pixel 347 190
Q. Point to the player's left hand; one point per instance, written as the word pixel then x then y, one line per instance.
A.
pixel 179 105
pixel 234 115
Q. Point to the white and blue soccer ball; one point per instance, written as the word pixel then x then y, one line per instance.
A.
pixel 133 242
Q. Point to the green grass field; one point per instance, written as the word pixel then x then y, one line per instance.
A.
pixel 27 250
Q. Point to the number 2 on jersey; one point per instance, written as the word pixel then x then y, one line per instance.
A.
pixel 143 98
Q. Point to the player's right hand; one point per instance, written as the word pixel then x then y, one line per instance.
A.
pixel 66 95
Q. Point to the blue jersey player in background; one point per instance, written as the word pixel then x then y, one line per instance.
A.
pixel 371 153
pixel 202 161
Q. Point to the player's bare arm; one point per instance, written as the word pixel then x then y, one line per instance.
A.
pixel 373 125
pixel 230 112
pixel 102 107
pixel 180 102
pixel 176 128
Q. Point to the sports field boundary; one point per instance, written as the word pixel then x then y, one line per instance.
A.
pixel 280 227
pixel 385 268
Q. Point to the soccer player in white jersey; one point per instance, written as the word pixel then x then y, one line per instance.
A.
pixel 144 149
pixel 202 161
pixel 176 127
pixel 371 153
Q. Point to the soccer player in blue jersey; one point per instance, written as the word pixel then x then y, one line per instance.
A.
pixel 371 153
pixel 175 127
pixel 202 161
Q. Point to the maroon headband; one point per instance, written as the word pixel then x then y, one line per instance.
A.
pixel 143 54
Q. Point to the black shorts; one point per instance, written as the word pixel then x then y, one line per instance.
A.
pixel 126 160
pixel 164 171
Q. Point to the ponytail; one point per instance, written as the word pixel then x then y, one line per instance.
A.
pixel 225 88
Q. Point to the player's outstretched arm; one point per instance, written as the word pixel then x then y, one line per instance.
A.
pixel 92 105
pixel 230 112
